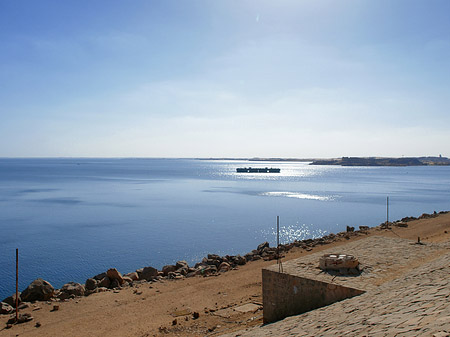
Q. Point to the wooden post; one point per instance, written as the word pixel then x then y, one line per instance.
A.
pixel 17 284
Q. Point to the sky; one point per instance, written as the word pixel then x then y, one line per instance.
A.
pixel 224 78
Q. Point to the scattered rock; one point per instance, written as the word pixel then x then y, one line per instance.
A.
pixel 5 308
pixel 38 290
pixel 195 315
pixel 350 229
pixel 23 318
pixel 174 322
pixel 38 325
pixel 11 300
pixel 24 305
pixel 55 308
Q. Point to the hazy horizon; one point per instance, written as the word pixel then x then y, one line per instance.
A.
pixel 202 79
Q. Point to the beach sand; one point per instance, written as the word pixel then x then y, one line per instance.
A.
pixel 167 307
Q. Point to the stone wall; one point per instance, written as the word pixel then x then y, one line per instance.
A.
pixel 286 295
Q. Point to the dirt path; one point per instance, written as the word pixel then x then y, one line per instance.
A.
pixel 166 308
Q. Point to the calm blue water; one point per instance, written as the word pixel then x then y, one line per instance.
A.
pixel 74 218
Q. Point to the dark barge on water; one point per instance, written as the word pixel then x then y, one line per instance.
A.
pixel 257 170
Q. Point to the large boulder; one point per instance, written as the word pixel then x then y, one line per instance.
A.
pixel 239 260
pixel 71 289
pixel 11 300
pixel 262 246
pixel 182 264
pixel 5 308
pixel 148 273
pixel 38 290
pixel 208 270
pixel 113 274
pixel 104 283
pixel 212 261
pixel 224 266
pixel 134 276
pixel 167 269
pixel 115 284
pixel 91 284
pixel 99 277
pixel 128 280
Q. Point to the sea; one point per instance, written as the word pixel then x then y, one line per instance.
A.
pixel 73 218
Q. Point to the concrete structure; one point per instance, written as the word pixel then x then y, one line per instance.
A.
pixel 303 286
pixel 286 295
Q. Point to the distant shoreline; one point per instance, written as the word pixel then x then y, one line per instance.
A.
pixel 343 161
pixel 356 161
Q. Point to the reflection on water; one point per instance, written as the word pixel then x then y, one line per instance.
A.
pixel 298 195
pixel 298 232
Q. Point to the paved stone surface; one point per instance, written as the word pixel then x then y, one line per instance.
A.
pixel 381 258
pixel 415 301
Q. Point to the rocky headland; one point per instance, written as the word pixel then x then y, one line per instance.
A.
pixel 375 161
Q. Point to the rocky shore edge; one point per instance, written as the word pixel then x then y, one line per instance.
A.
pixel 211 265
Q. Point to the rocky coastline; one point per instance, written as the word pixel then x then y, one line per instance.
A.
pixel 374 161
pixel 211 265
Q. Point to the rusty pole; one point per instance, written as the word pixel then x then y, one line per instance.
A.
pixel 17 284
pixel 280 266
pixel 387 211
pixel 278 232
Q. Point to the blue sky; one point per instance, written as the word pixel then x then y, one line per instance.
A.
pixel 223 78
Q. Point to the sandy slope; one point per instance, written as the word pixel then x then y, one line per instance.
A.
pixel 150 309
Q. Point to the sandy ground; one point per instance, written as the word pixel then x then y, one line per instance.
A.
pixel 166 308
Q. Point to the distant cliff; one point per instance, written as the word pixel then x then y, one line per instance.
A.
pixel 375 161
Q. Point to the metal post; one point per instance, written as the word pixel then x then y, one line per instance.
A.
pixel 17 284
pixel 278 232
pixel 387 211
pixel 280 265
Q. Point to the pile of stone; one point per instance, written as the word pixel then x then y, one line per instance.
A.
pixel 343 264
